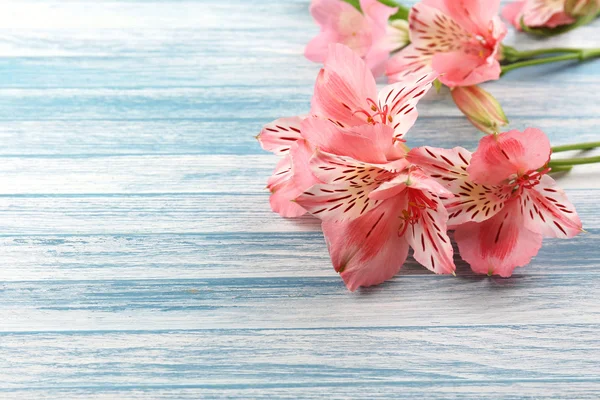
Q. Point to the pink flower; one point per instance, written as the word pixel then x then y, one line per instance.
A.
pixel 537 13
pixel 506 203
pixel 374 205
pixel 366 33
pixel 345 94
pixel 458 39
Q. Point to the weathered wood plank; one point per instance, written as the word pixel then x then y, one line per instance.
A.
pixel 226 255
pixel 174 213
pixel 538 361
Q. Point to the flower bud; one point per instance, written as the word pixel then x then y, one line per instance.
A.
pixel 398 32
pixel 480 107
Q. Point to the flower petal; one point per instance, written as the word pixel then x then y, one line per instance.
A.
pixel 368 143
pixel 506 155
pixel 343 87
pixel 345 192
pixel 512 12
pixel 429 238
pixel 401 100
pixel 279 136
pixel 500 244
pixel 547 210
pixel 432 31
pixel 367 251
pixel 406 62
pixel 458 68
pixel 412 178
pixel 316 49
pixel 474 15
pixel 283 190
pixel 473 202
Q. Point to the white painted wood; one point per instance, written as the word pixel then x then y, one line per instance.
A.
pixel 139 257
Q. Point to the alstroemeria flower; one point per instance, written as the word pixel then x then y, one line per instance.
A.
pixel 458 39
pixel 506 203
pixel 537 13
pixel 374 205
pixel 365 33
pixel 346 94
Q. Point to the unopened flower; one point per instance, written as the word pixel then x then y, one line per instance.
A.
pixel 506 203
pixel 537 13
pixel 346 95
pixel 365 33
pixel 398 34
pixel 480 107
pixel 457 39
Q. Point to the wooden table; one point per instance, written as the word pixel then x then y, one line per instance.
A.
pixel 140 259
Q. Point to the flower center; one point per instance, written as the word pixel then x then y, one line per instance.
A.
pixel 417 204
pixel 527 180
pixel 375 111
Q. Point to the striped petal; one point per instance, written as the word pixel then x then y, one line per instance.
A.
pixel 279 136
pixel 429 238
pixel 406 62
pixel 547 210
pixel 367 251
pixel 500 244
pixel 283 190
pixel 401 98
pixel 472 201
pixel 344 195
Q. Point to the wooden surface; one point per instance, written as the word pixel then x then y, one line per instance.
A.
pixel 139 257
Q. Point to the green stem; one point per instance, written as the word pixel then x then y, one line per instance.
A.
pixel 576 146
pixel 574 161
pixel 516 55
pixel 562 169
pixel 581 56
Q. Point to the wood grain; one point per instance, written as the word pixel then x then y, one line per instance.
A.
pixel 140 259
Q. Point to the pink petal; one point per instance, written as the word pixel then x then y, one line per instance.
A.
pixel 429 238
pixel 547 210
pixel 327 12
pixel 408 61
pixel 368 143
pixel 401 99
pixel 561 18
pixel 347 184
pixel 506 155
pixel 278 136
pixel 367 251
pixel 377 15
pixel 512 12
pixel 316 50
pixel 412 178
pixel 283 190
pixel 500 244
pixel 432 31
pixel 474 15
pixel 378 12
pixel 303 178
pixel 473 202
pixel 343 87
pixel 458 68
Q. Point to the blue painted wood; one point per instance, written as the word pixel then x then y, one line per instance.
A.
pixel 139 257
